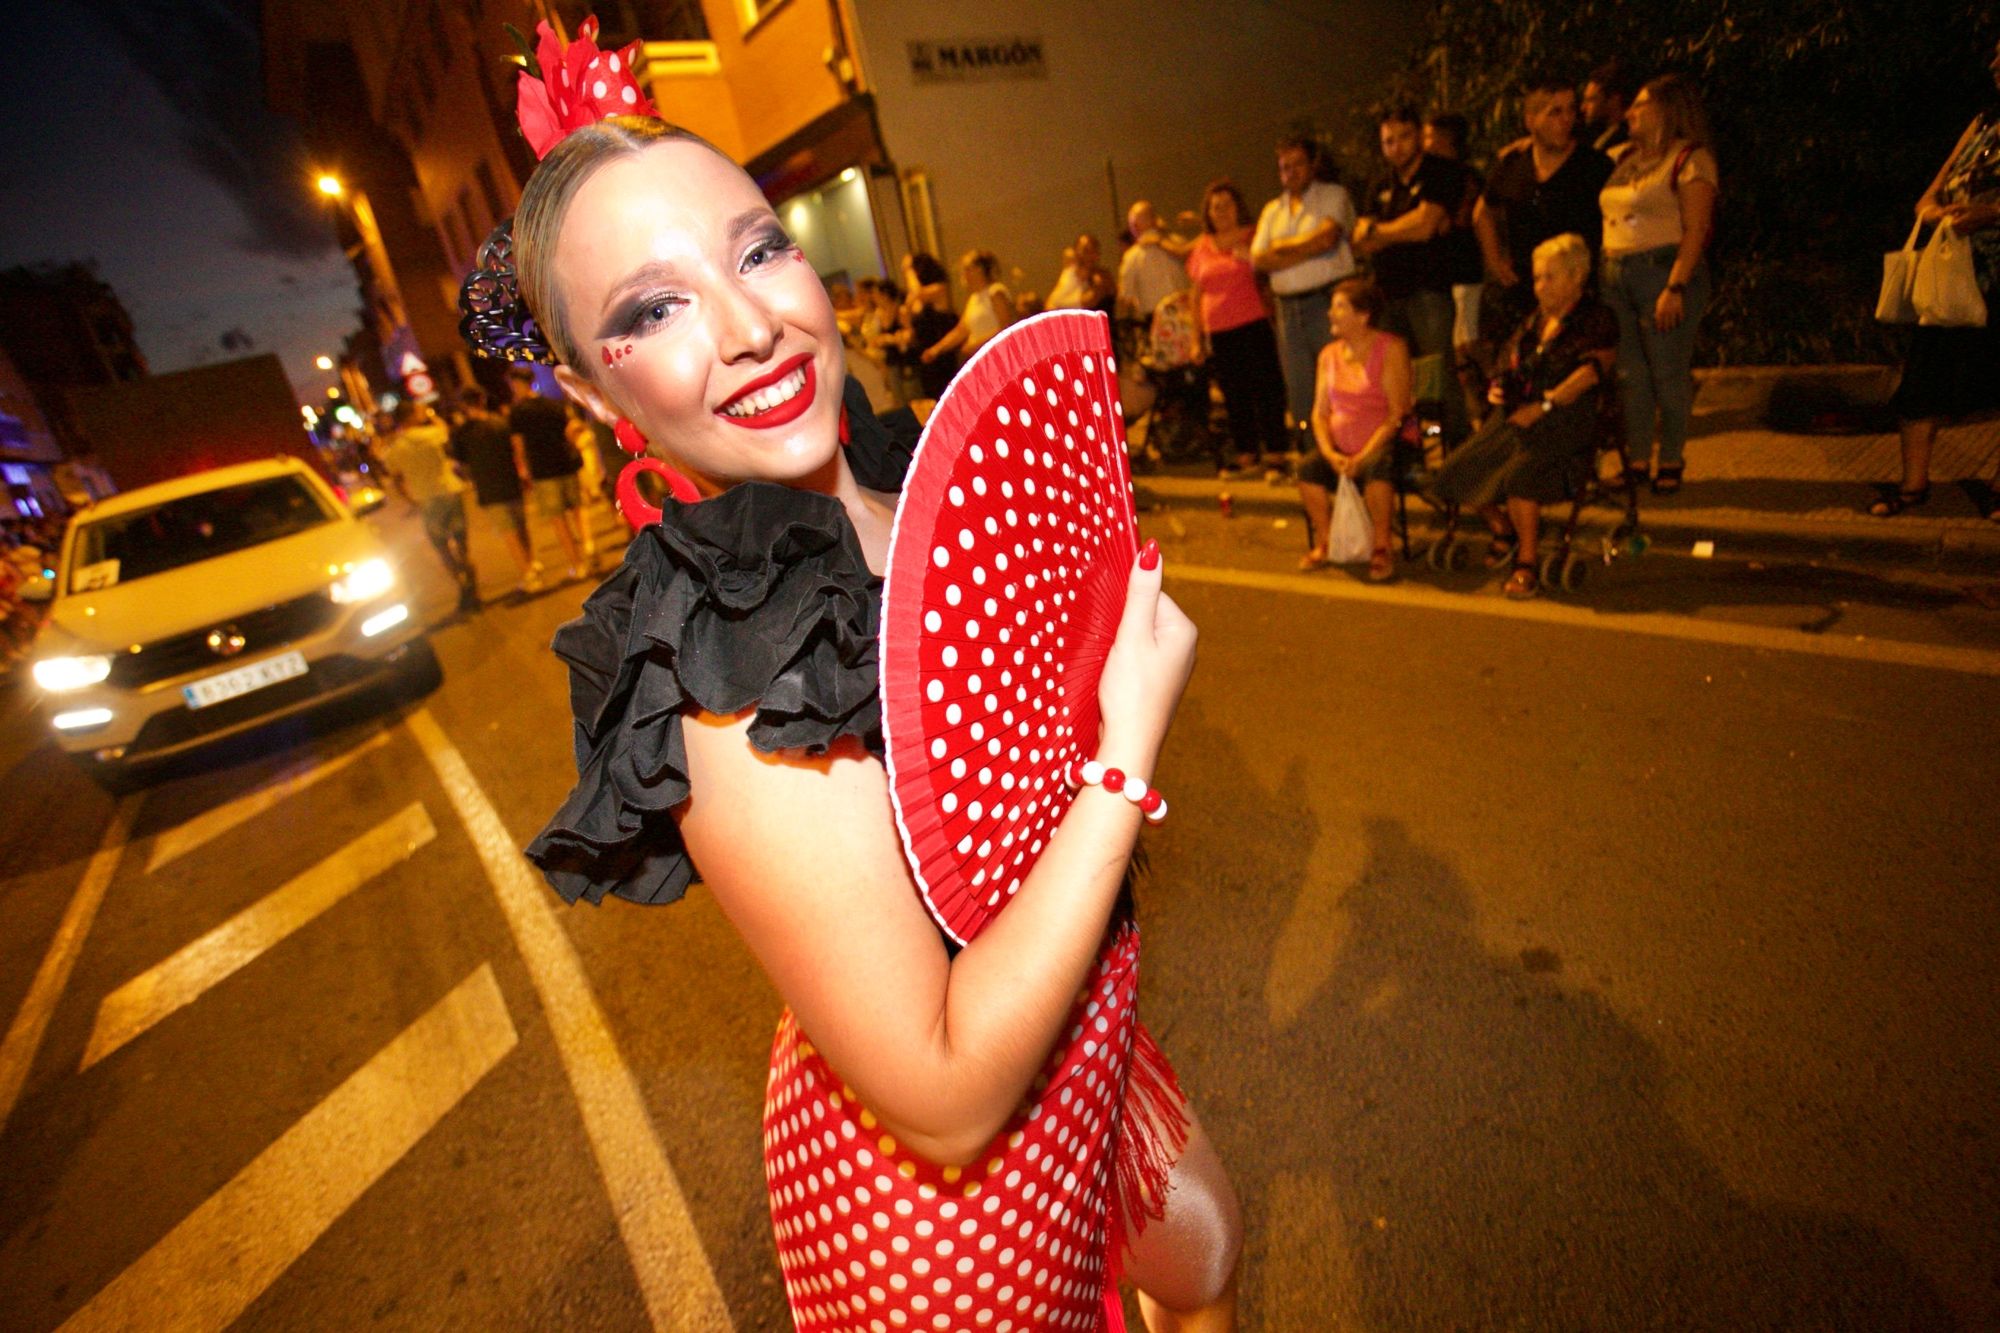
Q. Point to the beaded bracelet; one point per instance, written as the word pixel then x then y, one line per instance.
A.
pixel 1093 774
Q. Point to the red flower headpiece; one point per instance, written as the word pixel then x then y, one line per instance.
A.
pixel 567 88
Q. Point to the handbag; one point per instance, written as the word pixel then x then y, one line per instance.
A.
pixel 1946 291
pixel 1899 275
pixel 1350 537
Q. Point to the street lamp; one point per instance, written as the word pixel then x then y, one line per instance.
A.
pixel 323 362
pixel 330 186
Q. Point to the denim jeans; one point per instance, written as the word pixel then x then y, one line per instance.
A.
pixel 1424 319
pixel 1655 369
pixel 1302 332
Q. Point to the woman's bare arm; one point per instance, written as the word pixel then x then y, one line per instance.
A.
pixel 804 858
pixel 1399 387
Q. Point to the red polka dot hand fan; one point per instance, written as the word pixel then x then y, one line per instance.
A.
pixel 1012 545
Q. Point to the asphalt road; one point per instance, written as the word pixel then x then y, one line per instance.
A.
pixel 1618 964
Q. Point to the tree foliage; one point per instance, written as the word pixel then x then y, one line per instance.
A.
pixel 1830 118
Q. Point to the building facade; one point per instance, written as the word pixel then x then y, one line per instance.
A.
pixel 876 127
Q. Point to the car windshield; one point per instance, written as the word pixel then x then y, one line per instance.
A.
pixel 193 528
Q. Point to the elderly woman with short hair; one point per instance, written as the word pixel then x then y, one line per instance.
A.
pixel 1539 446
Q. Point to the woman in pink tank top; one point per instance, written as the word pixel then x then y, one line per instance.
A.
pixel 1361 405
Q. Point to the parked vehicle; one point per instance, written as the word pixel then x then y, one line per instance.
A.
pixel 201 607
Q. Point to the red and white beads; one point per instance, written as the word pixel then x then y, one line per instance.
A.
pixel 1091 773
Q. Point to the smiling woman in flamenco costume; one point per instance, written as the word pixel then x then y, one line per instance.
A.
pixel 942 1153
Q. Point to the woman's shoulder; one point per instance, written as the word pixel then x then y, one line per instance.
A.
pixel 757 601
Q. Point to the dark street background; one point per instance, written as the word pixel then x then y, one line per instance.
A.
pixel 1529 972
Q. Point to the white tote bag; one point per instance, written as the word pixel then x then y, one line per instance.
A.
pixel 1946 291
pixel 1352 538
pixel 1899 275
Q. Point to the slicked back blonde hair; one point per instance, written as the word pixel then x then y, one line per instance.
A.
pixel 545 203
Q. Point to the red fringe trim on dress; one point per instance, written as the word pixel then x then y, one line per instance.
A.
pixel 1152 1134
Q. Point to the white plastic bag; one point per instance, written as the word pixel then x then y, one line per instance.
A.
pixel 1351 537
pixel 1899 275
pixel 1946 291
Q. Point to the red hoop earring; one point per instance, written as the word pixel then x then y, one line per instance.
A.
pixel 843 426
pixel 631 503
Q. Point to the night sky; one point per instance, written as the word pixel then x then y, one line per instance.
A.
pixel 135 133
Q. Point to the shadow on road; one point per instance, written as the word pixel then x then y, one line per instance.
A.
pixel 1460 1140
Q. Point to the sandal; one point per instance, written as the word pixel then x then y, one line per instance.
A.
pixel 1381 566
pixel 1895 502
pixel 1313 559
pixel 1500 550
pixel 1522 584
pixel 1668 479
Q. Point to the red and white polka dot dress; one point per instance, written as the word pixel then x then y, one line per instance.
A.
pixel 873 1239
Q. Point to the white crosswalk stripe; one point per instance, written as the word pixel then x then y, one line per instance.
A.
pixel 178 841
pixel 180 980
pixel 209 1268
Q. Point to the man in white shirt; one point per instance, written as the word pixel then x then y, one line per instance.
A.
pixel 1154 267
pixel 1301 242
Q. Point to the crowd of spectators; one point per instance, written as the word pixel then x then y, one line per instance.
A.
pixel 1566 280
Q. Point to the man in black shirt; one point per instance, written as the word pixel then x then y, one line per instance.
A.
pixel 1542 187
pixel 1606 95
pixel 1405 231
pixel 482 447
pixel 540 427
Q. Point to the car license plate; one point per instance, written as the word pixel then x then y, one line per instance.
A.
pixel 231 684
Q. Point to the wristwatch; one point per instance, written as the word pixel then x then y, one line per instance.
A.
pixel 1677 288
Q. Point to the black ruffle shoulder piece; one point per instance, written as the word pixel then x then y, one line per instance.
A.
pixel 758 596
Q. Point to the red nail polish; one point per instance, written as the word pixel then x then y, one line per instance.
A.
pixel 1149 555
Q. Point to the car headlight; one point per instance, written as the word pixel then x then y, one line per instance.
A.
pixel 57 674
pixel 369 579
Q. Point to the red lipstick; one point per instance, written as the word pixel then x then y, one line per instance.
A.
pixel 784 413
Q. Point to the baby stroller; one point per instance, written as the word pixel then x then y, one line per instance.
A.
pixel 1173 426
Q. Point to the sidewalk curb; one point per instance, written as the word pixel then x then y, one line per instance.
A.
pixel 1873 540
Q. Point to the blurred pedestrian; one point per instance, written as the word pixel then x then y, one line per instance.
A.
pixel 989 308
pixel 1954 372
pixel 1083 284
pixel 421 472
pixel 1607 93
pixel 1539 447
pixel 1361 408
pixel 1542 187
pixel 1445 137
pixel 927 308
pixel 1301 245
pixel 1235 328
pixel 1658 206
pixel 1405 233
pixel 540 428
pixel 482 447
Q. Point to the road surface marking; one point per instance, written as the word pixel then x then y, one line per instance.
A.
pixel 222 1256
pixel 188 974
pixel 1971 661
pixel 674 1273
pixel 211 824
pixel 24 1034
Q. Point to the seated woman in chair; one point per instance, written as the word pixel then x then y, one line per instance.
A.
pixel 1539 446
